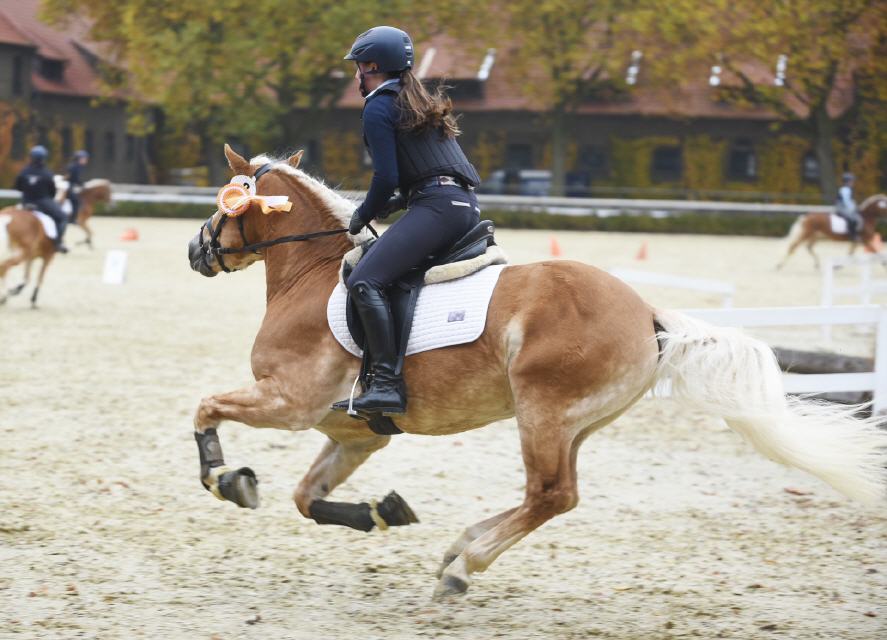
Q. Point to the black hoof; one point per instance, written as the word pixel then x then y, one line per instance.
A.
pixel 17 290
pixel 395 511
pixel 450 586
pixel 240 487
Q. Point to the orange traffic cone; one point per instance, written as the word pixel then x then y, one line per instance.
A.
pixel 555 247
pixel 642 252
pixel 129 235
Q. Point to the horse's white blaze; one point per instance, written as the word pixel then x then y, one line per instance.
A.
pixel 724 372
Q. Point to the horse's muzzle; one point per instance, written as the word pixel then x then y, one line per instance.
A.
pixel 198 258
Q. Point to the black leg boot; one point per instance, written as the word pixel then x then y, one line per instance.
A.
pixel 387 392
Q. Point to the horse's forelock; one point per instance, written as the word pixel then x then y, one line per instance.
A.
pixel 337 205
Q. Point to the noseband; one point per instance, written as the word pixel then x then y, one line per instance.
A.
pixel 214 247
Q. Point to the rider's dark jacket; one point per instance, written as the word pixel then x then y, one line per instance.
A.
pixel 403 159
pixel 36 182
pixel 75 174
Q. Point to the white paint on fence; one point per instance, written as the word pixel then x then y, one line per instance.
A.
pixel 723 289
pixel 874 381
pixel 115 267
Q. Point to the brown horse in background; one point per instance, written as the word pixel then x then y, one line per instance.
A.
pixel 812 227
pixel 566 349
pixel 92 193
pixel 22 239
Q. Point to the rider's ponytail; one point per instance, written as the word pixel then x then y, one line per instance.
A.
pixel 420 109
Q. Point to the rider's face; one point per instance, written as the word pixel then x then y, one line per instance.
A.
pixel 371 81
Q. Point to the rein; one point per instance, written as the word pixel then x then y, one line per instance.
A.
pixel 216 249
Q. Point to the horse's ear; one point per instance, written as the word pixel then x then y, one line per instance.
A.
pixel 295 159
pixel 238 163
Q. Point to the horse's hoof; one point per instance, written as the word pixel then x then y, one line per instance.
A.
pixel 17 290
pixel 449 587
pixel 446 562
pixel 240 487
pixel 395 511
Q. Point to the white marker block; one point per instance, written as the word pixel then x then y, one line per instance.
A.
pixel 115 267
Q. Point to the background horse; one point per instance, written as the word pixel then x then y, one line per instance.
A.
pixel 23 239
pixel 567 349
pixel 93 192
pixel 811 227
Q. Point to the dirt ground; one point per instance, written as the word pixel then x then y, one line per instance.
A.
pixel 105 531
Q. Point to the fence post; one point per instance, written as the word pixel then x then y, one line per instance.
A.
pixel 879 396
pixel 827 299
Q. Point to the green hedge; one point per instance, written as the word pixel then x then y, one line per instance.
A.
pixel 769 225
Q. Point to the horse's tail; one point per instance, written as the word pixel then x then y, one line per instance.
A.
pixel 724 372
pixel 5 241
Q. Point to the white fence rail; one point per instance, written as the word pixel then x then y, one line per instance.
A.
pixel 572 206
pixel 723 289
pixel 874 381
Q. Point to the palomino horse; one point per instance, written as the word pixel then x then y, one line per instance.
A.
pixel 811 227
pixel 22 239
pixel 92 193
pixel 566 349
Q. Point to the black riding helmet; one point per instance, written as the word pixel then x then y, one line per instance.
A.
pixel 388 47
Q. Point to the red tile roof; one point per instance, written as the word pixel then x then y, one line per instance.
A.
pixel 20 25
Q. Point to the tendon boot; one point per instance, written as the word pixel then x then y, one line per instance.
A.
pixel 386 393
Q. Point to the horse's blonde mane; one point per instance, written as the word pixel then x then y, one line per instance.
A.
pixel 338 205
pixel 871 199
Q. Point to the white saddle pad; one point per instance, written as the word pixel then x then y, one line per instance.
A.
pixel 448 313
pixel 839 224
pixel 48 224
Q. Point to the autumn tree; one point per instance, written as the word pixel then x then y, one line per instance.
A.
pixel 805 60
pixel 255 70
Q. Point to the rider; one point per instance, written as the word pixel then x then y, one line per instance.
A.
pixel 37 185
pixel 845 206
pixel 75 181
pixel 411 136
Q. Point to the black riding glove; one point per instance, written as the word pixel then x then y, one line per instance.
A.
pixel 356 223
pixel 394 204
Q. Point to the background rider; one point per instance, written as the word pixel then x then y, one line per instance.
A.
pixel 37 185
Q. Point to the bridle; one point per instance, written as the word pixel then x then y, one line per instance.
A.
pixel 214 248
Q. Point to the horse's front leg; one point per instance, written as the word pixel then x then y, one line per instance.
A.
pixel 258 406
pixel 336 462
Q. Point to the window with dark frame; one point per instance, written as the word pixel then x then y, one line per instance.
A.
pixel 67 143
pixel 18 141
pixel 18 77
pixel 110 146
pixel 742 164
pixel 519 156
pixel 667 164
pixel 810 167
pixel 89 142
pixel 130 148
pixel 51 69
pixel 593 160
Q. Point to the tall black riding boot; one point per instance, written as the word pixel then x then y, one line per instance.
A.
pixel 387 392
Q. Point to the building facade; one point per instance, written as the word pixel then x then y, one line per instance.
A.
pixel 50 94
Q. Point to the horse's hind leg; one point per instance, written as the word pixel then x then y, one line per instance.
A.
pixel 549 455
pixel 336 462
pixel 27 278
pixel 810 244
pixel 257 406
